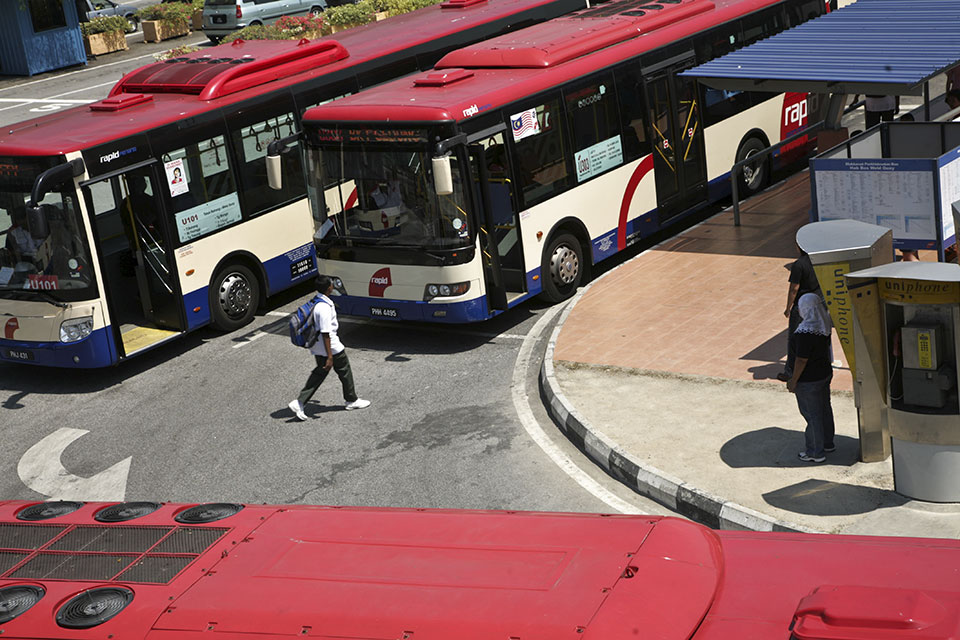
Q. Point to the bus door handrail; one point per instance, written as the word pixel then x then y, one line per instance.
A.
pixel 763 153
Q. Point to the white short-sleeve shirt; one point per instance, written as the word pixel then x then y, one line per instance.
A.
pixel 325 320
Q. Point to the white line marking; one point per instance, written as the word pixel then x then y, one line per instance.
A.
pixel 41 470
pixel 521 400
pixel 96 86
pixel 256 336
pixel 45 101
pixel 277 314
pixel 99 66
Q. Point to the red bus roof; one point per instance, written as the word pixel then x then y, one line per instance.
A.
pixel 510 67
pixel 172 100
pixel 415 574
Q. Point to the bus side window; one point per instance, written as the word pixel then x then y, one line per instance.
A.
pixel 633 110
pixel 591 110
pixel 199 182
pixel 250 142
pixel 539 151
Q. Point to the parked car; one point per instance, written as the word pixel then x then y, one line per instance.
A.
pixel 222 17
pixel 97 8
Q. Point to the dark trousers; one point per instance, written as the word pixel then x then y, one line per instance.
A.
pixel 813 400
pixel 873 118
pixel 341 364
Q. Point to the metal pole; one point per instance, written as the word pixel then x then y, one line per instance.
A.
pixel 926 101
pixel 735 194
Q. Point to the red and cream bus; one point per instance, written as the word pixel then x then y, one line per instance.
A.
pixel 247 572
pixel 130 221
pixel 519 162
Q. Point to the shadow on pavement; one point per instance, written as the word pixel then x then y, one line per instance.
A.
pixel 821 498
pixel 777 448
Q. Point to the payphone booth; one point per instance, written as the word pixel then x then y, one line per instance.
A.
pixel 910 313
pixel 837 247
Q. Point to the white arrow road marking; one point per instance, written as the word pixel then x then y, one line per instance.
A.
pixel 41 470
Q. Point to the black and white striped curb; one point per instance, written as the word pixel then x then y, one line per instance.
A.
pixel 648 481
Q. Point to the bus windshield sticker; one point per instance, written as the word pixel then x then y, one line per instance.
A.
pixel 5 274
pixel 175 177
pixel 525 124
pixel 598 158
pixel 206 218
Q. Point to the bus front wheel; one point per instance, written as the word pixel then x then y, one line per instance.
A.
pixel 561 269
pixel 235 292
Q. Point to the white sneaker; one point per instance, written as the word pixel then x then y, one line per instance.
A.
pixel 298 410
pixel 359 403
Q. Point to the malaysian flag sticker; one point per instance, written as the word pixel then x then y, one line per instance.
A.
pixel 525 124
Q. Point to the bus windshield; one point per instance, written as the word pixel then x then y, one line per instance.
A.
pixel 384 196
pixel 43 251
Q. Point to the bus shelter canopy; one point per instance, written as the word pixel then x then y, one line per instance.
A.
pixel 878 47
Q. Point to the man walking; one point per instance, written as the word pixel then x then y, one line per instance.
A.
pixel 329 353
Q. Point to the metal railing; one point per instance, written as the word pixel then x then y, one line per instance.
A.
pixel 762 155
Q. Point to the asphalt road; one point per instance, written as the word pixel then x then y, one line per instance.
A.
pixel 205 419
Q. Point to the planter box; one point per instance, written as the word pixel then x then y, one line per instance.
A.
pixel 381 15
pixel 157 30
pixel 98 44
pixel 198 20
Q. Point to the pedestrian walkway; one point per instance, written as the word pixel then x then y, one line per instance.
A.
pixel 664 370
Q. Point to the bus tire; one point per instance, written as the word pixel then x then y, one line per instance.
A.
pixel 234 294
pixel 752 178
pixel 562 267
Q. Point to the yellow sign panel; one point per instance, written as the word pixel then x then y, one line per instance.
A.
pixel 919 291
pixel 924 356
pixel 834 288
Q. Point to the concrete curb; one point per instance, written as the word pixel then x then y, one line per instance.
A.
pixel 648 481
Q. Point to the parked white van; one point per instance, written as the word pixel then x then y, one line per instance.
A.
pixel 223 17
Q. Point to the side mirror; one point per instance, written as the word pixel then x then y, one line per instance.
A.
pixel 274 173
pixel 442 175
pixel 274 169
pixel 37 221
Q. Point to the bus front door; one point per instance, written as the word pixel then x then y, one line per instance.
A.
pixel 142 293
pixel 678 157
pixel 499 231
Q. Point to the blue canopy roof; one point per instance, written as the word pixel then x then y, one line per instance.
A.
pixel 888 47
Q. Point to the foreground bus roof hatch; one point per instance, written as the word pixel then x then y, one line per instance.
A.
pixel 571 37
pixel 212 77
pixel 442 78
pixel 850 612
pixel 459 4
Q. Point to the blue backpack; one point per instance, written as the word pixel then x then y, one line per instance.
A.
pixel 302 331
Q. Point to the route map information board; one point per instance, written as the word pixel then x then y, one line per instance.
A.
pixel 897 194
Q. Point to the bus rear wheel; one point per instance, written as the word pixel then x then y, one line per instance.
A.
pixel 753 175
pixel 234 295
pixel 561 268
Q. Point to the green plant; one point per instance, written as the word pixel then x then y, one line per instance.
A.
pixel 255 32
pixel 174 14
pixel 176 52
pixel 349 14
pixel 104 24
pixel 197 5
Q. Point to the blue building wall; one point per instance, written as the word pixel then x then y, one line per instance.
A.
pixel 23 52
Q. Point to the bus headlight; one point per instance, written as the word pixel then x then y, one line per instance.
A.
pixel 445 290
pixel 76 329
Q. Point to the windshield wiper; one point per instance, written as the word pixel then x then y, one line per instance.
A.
pixel 21 294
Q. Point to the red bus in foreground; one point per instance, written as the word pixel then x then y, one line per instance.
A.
pixel 165 571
